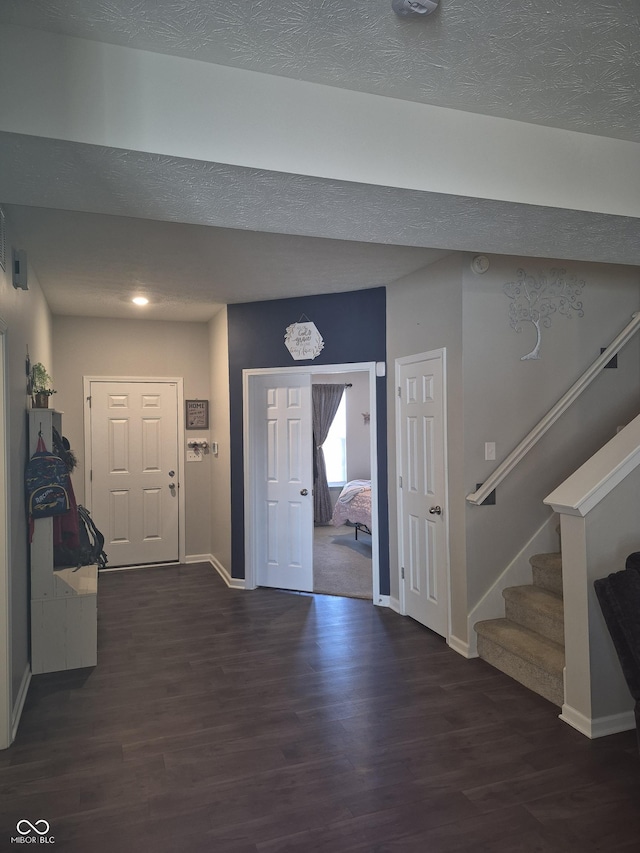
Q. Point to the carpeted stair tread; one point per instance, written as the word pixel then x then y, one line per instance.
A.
pixel 525 643
pixel 533 660
pixel 537 609
pixel 547 571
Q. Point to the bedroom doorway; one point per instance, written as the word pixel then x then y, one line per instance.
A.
pixel 256 479
pixel 342 540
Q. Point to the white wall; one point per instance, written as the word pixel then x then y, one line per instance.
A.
pixel 101 347
pixel 220 544
pixel 29 325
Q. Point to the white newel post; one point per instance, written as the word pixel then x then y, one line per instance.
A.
pixel 599 508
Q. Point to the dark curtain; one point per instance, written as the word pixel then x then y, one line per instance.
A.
pixel 325 399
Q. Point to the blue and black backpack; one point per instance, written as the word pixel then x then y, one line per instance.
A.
pixel 46 483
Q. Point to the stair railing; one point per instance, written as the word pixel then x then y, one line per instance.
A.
pixel 533 437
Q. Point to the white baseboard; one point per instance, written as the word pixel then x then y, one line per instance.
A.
pixel 517 573
pixel 198 558
pixel 16 713
pixel 461 647
pixel 232 583
pixel 394 604
pixel 383 601
pixel 600 726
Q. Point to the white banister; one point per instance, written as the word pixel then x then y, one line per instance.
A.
pixel 533 437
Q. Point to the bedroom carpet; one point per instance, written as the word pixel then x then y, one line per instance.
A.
pixel 342 565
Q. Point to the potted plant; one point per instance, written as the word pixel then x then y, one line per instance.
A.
pixel 41 389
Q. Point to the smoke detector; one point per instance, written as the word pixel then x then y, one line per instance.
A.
pixel 412 7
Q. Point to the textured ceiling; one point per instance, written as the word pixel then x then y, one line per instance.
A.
pixel 99 221
pixel 187 271
pixel 564 63
pixel 95 179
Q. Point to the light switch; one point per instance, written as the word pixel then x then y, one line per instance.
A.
pixel 489 451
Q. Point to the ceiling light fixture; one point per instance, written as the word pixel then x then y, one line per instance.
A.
pixel 140 300
pixel 410 7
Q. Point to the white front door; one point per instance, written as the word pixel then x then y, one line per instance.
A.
pixel 134 470
pixel 423 489
pixel 282 460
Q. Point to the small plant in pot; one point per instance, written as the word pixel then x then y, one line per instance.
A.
pixel 41 389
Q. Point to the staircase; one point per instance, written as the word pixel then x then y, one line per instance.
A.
pixel 528 644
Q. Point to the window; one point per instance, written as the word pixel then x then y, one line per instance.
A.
pixel 335 447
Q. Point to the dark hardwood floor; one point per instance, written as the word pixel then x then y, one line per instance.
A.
pixel 238 722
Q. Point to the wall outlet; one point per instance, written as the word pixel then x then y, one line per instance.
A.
pixel 194 456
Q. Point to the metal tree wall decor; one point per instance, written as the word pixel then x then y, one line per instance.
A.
pixel 536 300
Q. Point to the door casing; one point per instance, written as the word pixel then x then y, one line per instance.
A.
pixel 251 483
pixel 400 362
pixel 179 382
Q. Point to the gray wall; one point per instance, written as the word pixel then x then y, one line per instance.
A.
pixel 424 312
pixel 100 347
pixel 29 325
pixel 220 432
pixel 494 396
pixel 505 397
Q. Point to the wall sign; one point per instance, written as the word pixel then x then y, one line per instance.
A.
pixel 303 340
pixel 197 414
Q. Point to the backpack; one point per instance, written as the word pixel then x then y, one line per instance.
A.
pixel 89 551
pixel 46 483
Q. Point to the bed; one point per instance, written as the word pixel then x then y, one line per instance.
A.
pixel 354 506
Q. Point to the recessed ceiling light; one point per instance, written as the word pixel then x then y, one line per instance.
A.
pixel 140 300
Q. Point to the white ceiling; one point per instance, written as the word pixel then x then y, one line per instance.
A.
pixel 99 222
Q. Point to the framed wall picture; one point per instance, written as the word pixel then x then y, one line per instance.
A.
pixel 197 415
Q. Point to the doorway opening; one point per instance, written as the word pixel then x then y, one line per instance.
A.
pixel 342 544
pixel 260 509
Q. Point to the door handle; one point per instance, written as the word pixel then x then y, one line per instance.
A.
pixel 304 492
pixel 435 510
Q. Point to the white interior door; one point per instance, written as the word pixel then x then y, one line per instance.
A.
pixel 134 470
pixel 283 477
pixel 423 492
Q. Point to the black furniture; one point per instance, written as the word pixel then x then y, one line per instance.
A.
pixel 619 597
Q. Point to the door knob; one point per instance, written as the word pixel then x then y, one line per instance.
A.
pixel 435 510
pixel 304 491
pixel 172 473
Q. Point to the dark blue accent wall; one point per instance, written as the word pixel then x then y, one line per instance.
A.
pixel 353 327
